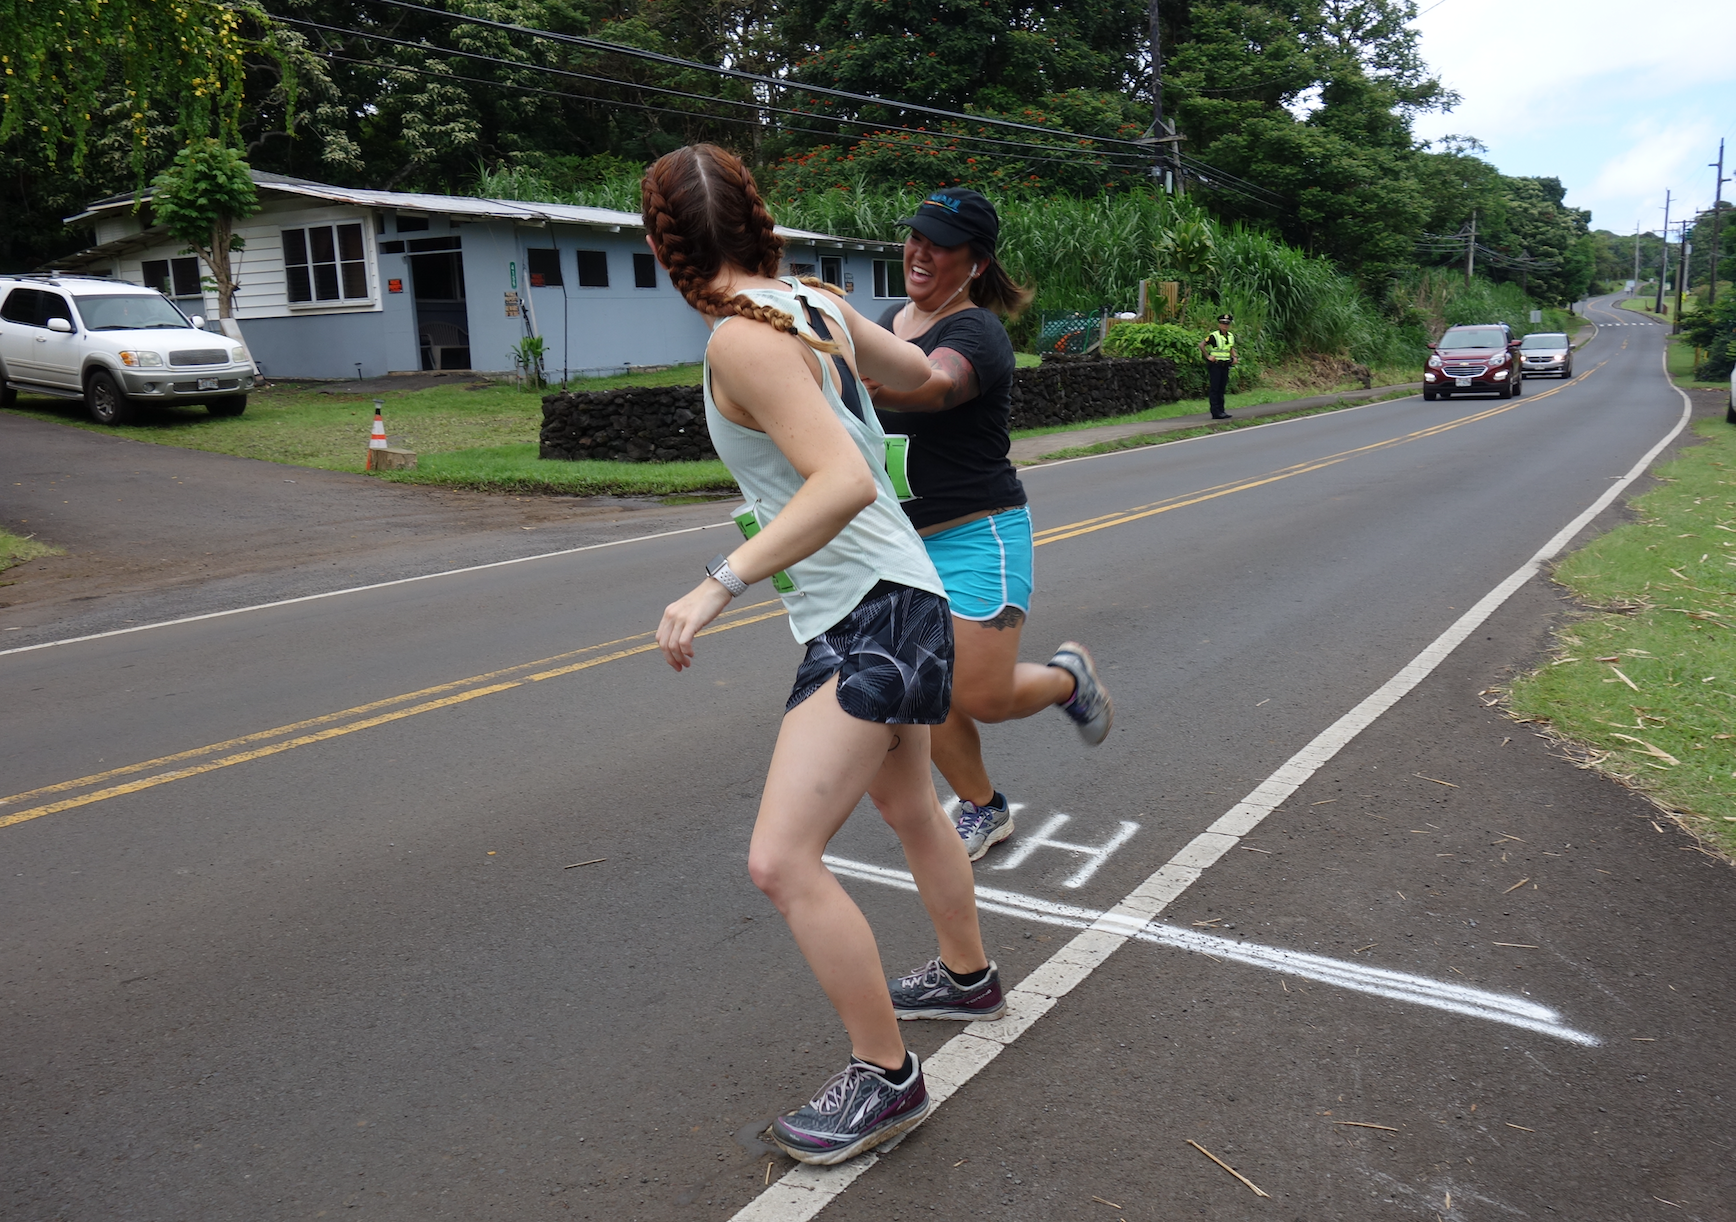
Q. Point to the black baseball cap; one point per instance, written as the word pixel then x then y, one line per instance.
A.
pixel 953 216
pixel 1225 318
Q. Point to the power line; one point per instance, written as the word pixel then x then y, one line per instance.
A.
pixel 597 44
pixel 1125 158
pixel 385 66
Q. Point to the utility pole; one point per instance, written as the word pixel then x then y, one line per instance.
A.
pixel 1717 210
pixel 1636 256
pixel 1686 260
pixel 1471 251
pixel 1166 167
pixel 1664 259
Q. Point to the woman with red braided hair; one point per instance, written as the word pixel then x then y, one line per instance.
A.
pixel 789 415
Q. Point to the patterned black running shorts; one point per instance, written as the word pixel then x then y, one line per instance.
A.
pixel 892 656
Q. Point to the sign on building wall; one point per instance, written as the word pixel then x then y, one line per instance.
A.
pixel 512 304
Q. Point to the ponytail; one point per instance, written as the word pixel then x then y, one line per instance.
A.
pixel 995 289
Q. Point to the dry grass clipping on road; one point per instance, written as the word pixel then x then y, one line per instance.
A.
pixel 1643 687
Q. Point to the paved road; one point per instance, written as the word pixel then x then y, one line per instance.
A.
pixel 290 934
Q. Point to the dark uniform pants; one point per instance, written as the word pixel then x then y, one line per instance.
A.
pixel 1218 377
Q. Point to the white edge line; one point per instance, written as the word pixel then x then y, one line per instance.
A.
pixel 378 585
pixel 805 1191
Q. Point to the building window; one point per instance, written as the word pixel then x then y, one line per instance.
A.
pixel 412 224
pixel 644 272
pixel 173 277
pixel 832 270
pixel 889 278
pixel 544 266
pixel 593 269
pixel 325 263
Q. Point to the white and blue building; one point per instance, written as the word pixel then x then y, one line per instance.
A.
pixel 333 281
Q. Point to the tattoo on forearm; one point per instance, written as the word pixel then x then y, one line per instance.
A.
pixel 956 368
pixel 1010 617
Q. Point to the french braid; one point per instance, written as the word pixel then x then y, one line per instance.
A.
pixel 703 212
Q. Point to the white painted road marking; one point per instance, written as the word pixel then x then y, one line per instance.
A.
pixel 378 585
pixel 805 1191
pixel 1095 854
pixel 1358 977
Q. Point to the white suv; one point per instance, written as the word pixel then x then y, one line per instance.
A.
pixel 114 345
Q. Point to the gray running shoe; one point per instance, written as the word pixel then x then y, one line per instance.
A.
pixel 931 992
pixel 982 826
pixel 856 1110
pixel 1090 708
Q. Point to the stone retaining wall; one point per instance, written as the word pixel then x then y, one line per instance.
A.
pixel 667 423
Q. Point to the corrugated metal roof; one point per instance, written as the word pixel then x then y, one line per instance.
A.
pixel 463 206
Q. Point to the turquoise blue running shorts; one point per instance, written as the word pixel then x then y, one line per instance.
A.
pixel 986 564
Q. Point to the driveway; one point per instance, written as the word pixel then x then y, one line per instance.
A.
pixel 153 531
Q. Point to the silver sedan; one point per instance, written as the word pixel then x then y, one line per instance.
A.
pixel 1546 352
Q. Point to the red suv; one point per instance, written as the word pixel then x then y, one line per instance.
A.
pixel 1476 360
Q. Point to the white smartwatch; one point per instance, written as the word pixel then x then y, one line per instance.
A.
pixel 720 571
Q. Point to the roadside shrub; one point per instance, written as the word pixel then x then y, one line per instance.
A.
pixel 1165 339
pixel 1715 331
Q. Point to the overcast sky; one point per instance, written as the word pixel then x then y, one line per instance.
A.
pixel 1619 99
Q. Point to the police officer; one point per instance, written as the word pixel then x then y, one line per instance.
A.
pixel 1219 349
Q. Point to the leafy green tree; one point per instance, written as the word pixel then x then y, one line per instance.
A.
pixel 999 54
pixel 1715 331
pixel 205 190
pixel 1311 100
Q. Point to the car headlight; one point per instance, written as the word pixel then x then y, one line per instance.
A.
pixel 1495 362
pixel 1434 362
pixel 141 360
pixel 240 355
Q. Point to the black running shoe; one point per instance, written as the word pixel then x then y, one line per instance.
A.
pixel 1090 708
pixel 931 992
pixel 856 1110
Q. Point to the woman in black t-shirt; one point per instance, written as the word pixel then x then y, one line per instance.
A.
pixel 967 502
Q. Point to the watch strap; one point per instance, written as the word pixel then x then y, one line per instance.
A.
pixel 725 576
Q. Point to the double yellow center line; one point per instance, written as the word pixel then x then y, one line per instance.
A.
pixel 1073 530
pixel 249 747
pixel 133 778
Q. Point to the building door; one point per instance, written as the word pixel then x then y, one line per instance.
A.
pixel 442 321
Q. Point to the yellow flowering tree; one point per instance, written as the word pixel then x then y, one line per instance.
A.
pixel 183 59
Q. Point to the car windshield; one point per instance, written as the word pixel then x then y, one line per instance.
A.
pixel 1533 342
pixel 1474 337
pixel 129 312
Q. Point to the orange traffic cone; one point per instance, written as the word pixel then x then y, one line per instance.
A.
pixel 377 439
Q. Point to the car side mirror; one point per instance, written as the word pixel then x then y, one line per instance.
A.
pixel 198 322
pixel 61 325
pixel 1434 348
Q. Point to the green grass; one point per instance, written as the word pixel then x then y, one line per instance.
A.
pixel 1679 358
pixel 1661 599
pixel 16 549
pixel 517 469
pixel 481 438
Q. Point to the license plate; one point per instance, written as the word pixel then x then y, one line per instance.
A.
pixel 207 383
pixel 1456 382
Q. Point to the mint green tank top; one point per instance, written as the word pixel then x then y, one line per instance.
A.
pixel 878 544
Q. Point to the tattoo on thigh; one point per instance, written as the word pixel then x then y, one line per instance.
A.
pixel 897 742
pixel 1010 617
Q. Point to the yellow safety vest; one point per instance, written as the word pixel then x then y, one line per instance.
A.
pixel 1221 343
